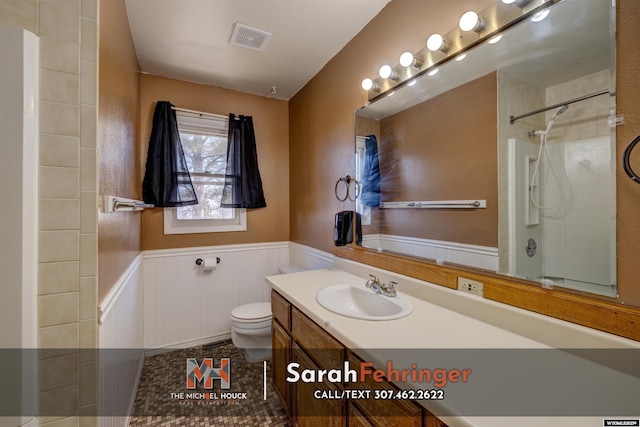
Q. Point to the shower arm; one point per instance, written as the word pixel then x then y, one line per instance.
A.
pixel 513 119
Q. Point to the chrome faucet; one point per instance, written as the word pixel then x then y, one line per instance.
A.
pixel 374 283
pixel 378 287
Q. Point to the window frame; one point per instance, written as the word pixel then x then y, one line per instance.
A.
pixel 208 124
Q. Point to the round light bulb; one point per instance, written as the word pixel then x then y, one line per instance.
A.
pixel 519 3
pixel 385 71
pixel 367 84
pixel 470 21
pixel 435 42
pixel 540 15
pixel 406 59
pixel 495 39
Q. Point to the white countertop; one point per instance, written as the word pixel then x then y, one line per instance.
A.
pixel 432 326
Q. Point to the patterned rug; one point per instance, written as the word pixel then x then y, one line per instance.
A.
pixel 163 398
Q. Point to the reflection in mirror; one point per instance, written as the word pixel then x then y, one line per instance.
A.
pixel 521 125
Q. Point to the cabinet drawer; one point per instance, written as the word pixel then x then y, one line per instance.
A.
pixel 281 309
pixel 385 413
pixel 325 350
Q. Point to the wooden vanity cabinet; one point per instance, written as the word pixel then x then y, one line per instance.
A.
pixel 297 338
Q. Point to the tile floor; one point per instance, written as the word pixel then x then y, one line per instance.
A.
pixel 164 374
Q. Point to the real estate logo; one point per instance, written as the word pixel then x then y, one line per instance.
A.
pixel 205 373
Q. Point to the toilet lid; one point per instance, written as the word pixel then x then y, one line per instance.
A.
pixel 256 311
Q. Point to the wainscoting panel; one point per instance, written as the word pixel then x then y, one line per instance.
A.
pixel 308 257
pixel 187 305
pixel 164 301
pixel 121 334
pixel 458 253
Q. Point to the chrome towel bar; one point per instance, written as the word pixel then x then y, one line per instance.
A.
pixel 121 204
pixel 436 204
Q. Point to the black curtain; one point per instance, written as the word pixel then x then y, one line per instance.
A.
pixel 243 185
pixel 167 182
pixel 371 179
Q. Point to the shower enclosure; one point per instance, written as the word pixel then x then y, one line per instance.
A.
pixel 18 225
pixel 561 192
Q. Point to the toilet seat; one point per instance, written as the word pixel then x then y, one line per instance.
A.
pixel 250 322
pixel 252 313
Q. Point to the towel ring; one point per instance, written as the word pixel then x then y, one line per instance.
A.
pixel 347 181
pixel 626 164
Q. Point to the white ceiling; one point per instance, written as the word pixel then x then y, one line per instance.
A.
pixel 189 40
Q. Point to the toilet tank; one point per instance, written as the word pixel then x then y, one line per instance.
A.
pixel 290 268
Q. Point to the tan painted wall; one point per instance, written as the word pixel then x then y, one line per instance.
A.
pixel 422 150
pixel 271 124
pixel 321 116
pixel 118 162
pixel 628 192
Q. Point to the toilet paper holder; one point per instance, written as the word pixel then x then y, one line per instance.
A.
pixel 200 261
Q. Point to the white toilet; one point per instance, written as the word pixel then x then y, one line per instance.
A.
pixel 251 325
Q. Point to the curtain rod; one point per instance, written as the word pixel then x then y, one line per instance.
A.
pixel 512 119
pixel 202 113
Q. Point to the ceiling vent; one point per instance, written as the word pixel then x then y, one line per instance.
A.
pixel 249 37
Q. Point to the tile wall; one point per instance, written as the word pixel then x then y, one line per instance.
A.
pixel 67 260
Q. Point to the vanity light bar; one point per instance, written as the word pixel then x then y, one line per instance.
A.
pixel 496 18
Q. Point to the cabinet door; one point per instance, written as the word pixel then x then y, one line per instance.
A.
pixel 385 413
pixel 357 418
pixel 281 355
pixel 431 420
pixel 309 411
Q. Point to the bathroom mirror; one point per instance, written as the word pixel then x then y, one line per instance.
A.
pixel 503 160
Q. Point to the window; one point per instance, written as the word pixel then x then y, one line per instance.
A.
pixel 204 141
pixel 364 211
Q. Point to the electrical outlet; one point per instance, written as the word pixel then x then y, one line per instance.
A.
pixel 469 286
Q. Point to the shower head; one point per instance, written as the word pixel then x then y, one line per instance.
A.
pixel 551 121
pixel 560 110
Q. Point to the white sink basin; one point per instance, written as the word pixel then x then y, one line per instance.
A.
pixel 359 302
